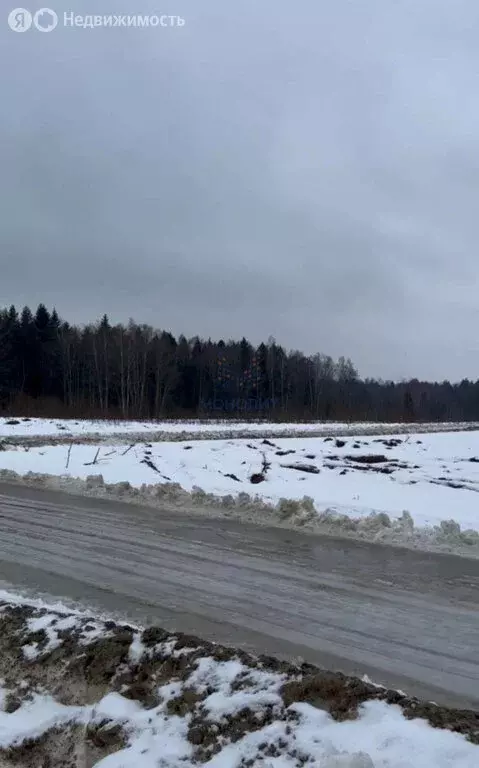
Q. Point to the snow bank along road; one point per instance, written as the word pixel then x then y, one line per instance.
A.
pixel 419 491
pixel 407 619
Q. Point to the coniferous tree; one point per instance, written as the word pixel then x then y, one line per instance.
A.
pixel 50 367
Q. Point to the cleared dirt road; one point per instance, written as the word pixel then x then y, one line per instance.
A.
pixel 407 619
pixel 252 432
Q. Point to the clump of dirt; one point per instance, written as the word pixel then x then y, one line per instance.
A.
pixel 75 674
pixel 73 746
pixel 150 463
pixel 303 468
pixel 260 477
pixel 392 443
pixel 107 737
pixel 39 638
pixel 207 736
pixel 372 458
pixel 190 641
pixel 13 621
pixel 334 693
pixel 457 720
pixel 184 703
pixel 143 687
pixel 233 477
pixel 153 635
pixel 342 696
pixel 104 656
pixel 12 703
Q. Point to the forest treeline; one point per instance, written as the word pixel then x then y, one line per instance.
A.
pixel 52 368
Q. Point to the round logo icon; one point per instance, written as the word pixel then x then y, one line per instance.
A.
pixel 45 20
pixel 20 20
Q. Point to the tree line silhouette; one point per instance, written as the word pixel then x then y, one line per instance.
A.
pixel 49 367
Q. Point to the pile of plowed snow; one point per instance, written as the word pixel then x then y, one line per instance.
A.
pixel 82 691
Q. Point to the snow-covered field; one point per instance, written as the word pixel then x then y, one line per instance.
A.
pixel 433 477
pixel 82 691
pixel 63 429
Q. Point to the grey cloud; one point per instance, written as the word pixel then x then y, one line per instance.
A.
pixel 303 171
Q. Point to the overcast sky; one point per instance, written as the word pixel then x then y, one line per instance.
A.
pixel 303 170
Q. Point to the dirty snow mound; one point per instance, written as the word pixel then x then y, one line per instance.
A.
pixel 99 693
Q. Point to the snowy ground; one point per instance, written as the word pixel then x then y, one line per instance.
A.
pixel 85 691
pixel 51 427
pixel 14 428
pixel 433 477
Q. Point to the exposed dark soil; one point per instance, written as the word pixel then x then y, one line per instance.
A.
pixel 81 672
pixel 392 443
pixel 302 468
pixel 372 458
pixel 69 747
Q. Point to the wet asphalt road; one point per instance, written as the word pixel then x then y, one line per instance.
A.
pixel 407 619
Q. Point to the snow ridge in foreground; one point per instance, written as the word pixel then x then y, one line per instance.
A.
pixel 119 696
